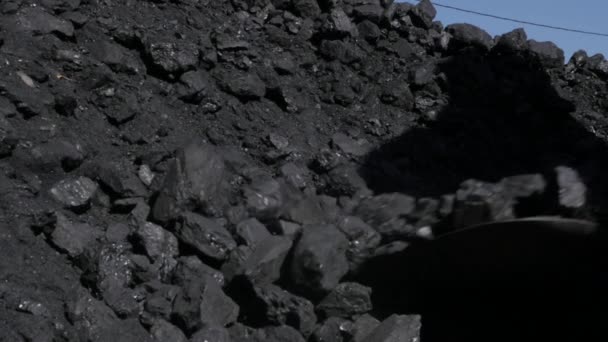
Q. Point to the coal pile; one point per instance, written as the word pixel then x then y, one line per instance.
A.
pixel 196 170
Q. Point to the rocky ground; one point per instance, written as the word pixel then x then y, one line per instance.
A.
pixel 196 170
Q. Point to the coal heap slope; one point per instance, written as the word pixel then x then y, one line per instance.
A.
pixel 220 170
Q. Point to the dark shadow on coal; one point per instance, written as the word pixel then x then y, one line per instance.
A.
pixel 504 118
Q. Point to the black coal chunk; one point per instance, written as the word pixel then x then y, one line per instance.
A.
pixel 193 86
pixel 346 300
pixel 204 304
pixel 98 322
pixel 251 232
pixel 74 193
pixel 191 182
pixel 396 328
pixel 205 235
pixel 261 263
pixel 268 304
pixel 165 331
pixel 332 329
pixel 191 269
pixel 282 333
pixel 245 86
pixel 362 327
pixel 465 35
pixel 516 40
pixel 73 238
pixel 319 259
pixel 57 154
pixel 363 239
pixel 211 333
pixel 306 8
pixel 29 99
pixel 119 177
pixel 39 21
pixel 549 54
pixel 160 245
pixel 423 14
pixel 171 59
pixel 389 214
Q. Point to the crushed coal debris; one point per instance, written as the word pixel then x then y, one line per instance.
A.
pixel 228 170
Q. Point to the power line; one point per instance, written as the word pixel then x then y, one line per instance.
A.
pixel 519 21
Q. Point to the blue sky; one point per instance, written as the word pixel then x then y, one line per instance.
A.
pixel 588 15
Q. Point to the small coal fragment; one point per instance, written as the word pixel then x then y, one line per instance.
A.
pixel 203 303
pixel 191 269
pixel 124 301
pixel 40 22
pixel 319 259
pixel 171 59
pixel 338 24
pixel 344 52
pixel 264 262
pixel 8 138
pixel 165 331
pixel 119 177
pixel 191 182
pixel 159 300
pixel 111 267
pixel 349 145
pixel 160 245
pixel 371 12
pixel 362 327
pixel 211 334
pixel 345 180
pixel 282 333
pixel 73 238
pixel 29 99
pixel 193 85
pixel 572 191
pixel 251 232
pixel 74 193
pixel 422 74
pixel 118 58
pixel 396 328
pixel 245 86
pixel 363 239
pixel 56 155
pixel 524 185
pixel 296 175
pixel 287 229
pixel 285 64
pixel 96 322
pixel 306 211
pixel 227 42
pixel 270 304
pixel 264 198
pixel 205 235
pixel 346 300
pixel 333 329
pixel 464 35
pixel 306 8
pixel 389 214
pixel 369 31
pixel 7 108
pixel 398 94
pixel 478 202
